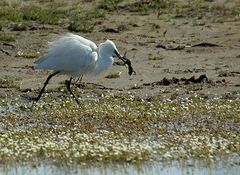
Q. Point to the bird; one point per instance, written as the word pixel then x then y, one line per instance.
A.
pixel 75 56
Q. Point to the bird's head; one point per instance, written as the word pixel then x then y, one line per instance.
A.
pixel 109 48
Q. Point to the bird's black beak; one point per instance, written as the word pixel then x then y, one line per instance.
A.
pixel 118 55
pixel 126 61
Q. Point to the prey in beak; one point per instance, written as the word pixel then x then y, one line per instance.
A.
pixel 126 61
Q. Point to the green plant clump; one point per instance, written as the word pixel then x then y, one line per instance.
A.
pixel 28 13
pixel 85 21
pixel 45 16
pixel 5 37
pixel 118 127
pixel 109 5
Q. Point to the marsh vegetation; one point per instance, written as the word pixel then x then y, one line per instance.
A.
pixel 123 122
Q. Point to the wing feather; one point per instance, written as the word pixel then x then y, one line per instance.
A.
pixel 70 53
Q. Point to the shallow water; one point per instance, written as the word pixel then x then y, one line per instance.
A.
pixel 146 168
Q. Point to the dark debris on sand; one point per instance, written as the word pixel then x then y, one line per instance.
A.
pixel 192 80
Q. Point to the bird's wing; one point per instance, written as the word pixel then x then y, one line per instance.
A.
pixel 83 40
pixel 69 37
pixel 70 54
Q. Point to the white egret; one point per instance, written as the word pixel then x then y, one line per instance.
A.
pixel 76 56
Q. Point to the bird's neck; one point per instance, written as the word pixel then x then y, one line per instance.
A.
pixel 104 61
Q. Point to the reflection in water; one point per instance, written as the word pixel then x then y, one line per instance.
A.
pixel 146 168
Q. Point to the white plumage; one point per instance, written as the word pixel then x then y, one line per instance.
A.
pixel 76 56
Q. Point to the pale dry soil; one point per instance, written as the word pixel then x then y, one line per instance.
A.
pixel 140 42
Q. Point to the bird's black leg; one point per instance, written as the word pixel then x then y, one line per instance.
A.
pixel 68 84
pixel 79 80
pixel 45 84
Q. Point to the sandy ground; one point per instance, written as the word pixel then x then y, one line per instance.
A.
pixel 181 49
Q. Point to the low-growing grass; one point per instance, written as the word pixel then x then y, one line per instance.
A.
pixel 8 83
pixel 81 19
pixel 85 21
pixel 35 13
pixel 114 126
pixel 26 13
pixel 215 11
pixel 10 14
pixel 142 9
pixel 81 24
pixel 118 127
pixel 6 37
pixel 109 5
